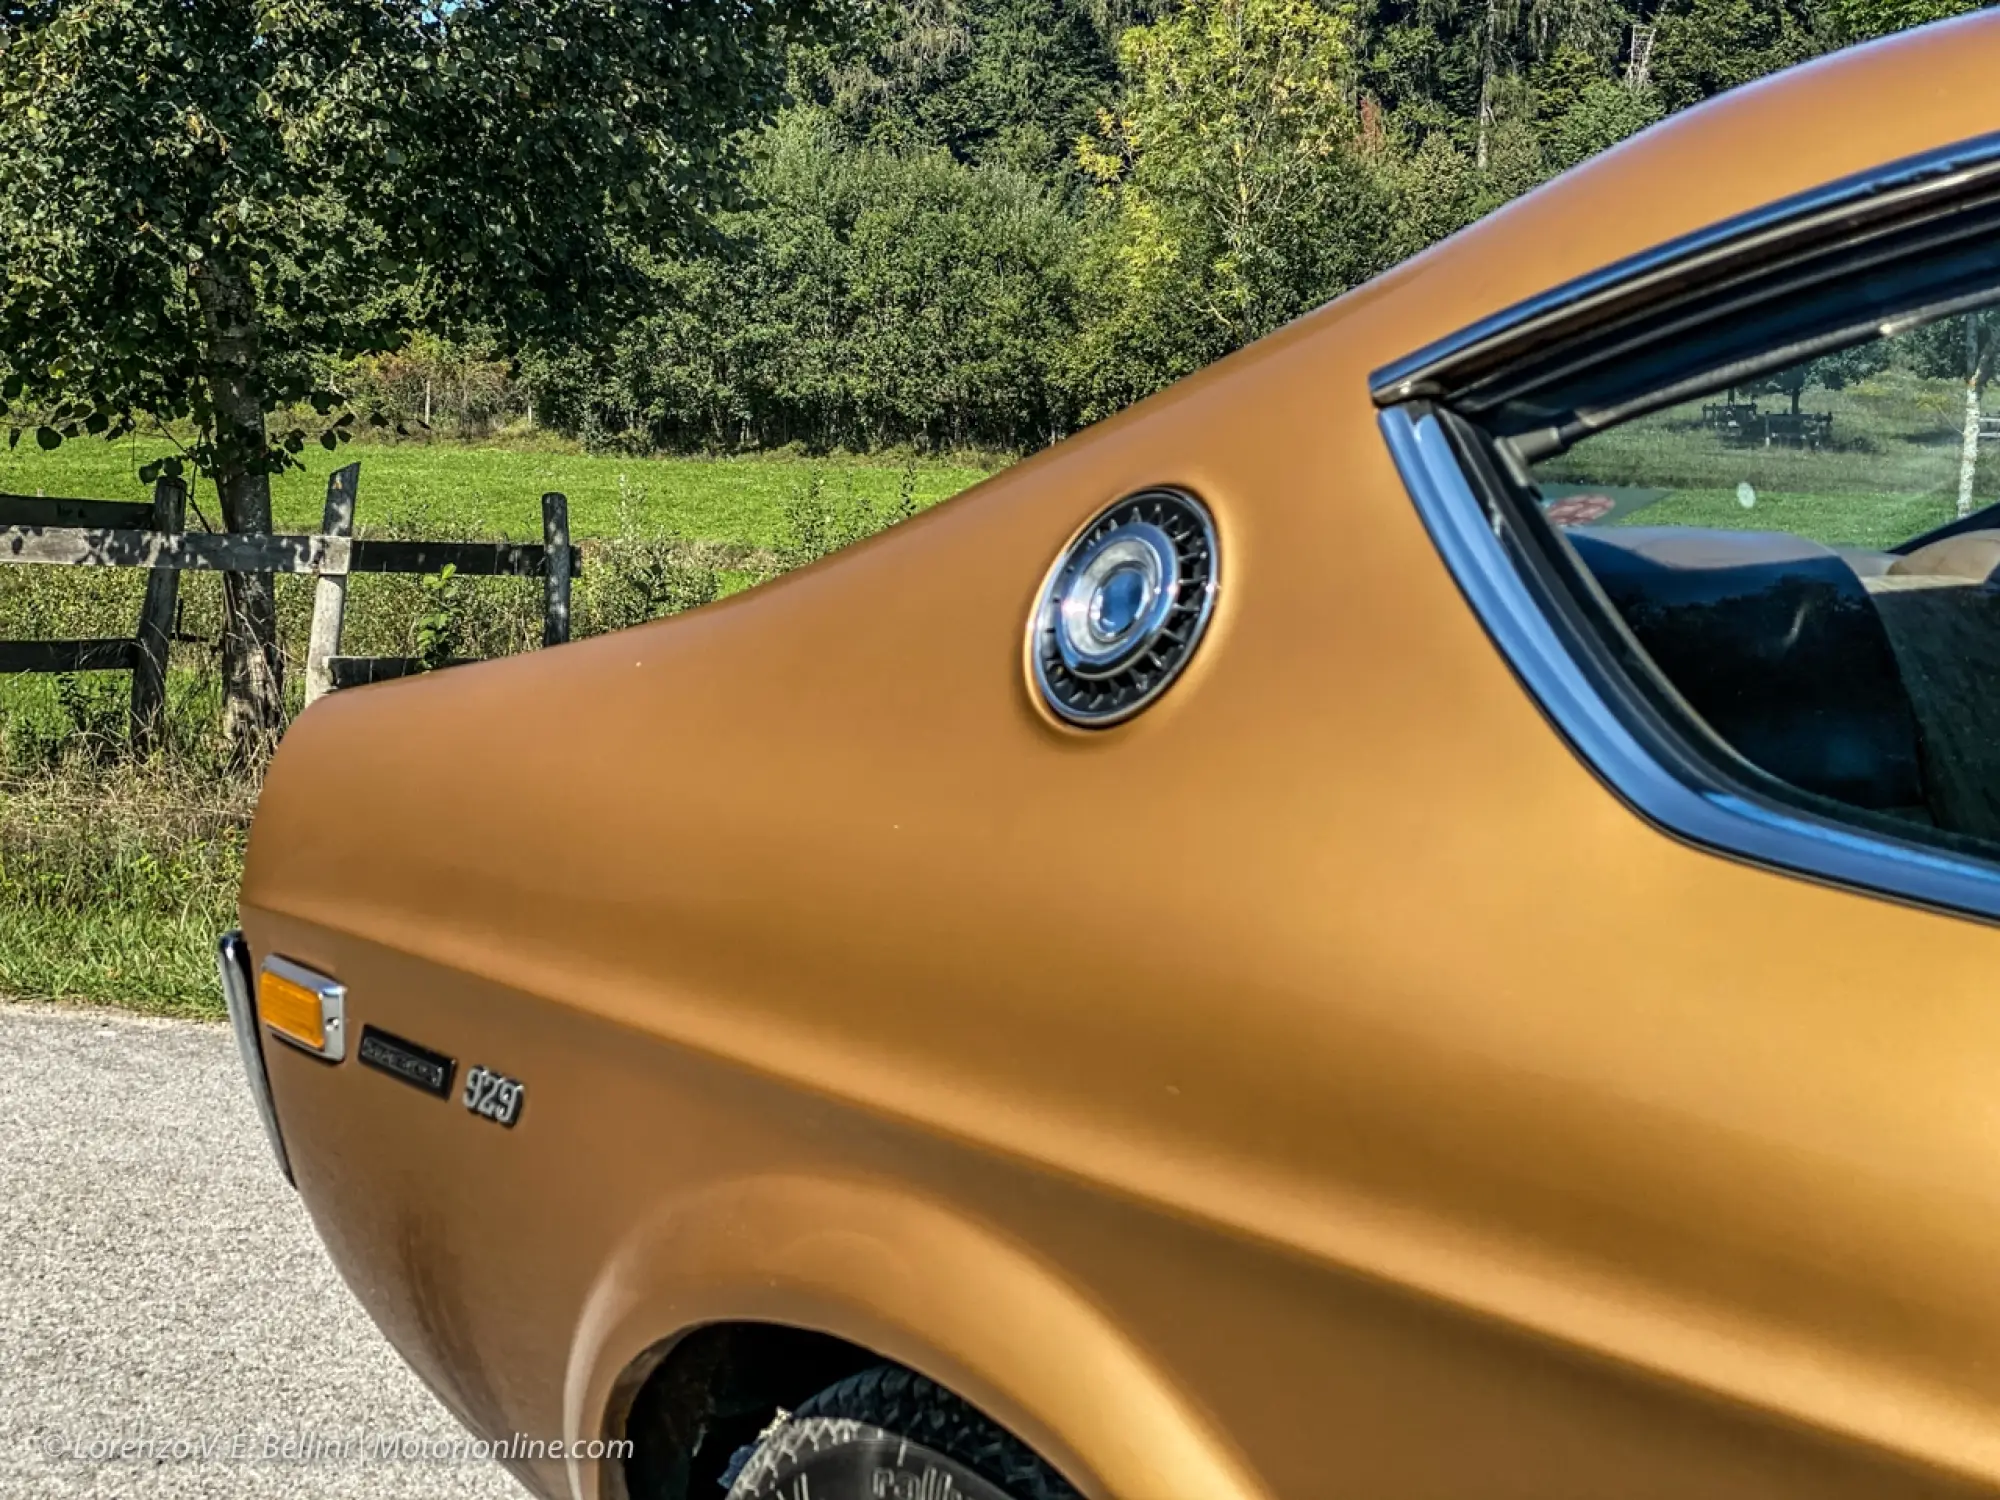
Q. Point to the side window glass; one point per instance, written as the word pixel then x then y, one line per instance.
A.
pixel 1809 562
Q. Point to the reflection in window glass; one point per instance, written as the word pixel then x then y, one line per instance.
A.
pixel 1767 546
pixel 1864 448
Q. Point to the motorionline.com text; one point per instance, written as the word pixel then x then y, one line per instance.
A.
pixel 298 1446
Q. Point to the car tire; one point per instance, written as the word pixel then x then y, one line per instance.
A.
pixel 888 1434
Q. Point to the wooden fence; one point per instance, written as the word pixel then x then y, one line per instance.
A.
pixel 136 534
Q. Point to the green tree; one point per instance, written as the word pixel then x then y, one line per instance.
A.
pixel 1234 135
pixel 198 201
pixel 1600 115
pixel 1040 72
pixel 1829 372
pixel 870 296
pixel 1514 35
pixel 1487 69
pixel 1013 82
pixel 1858 20
pixel 1704 47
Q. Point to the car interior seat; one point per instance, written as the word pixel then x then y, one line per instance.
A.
pixel 1778 644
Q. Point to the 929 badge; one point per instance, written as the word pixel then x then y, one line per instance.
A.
pixel 494 1096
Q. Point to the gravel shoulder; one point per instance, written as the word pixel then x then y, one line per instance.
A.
pixel 161 1289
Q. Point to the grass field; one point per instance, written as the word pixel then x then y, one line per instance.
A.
pixel 116 880
pixel 448 490
pixel 1877 521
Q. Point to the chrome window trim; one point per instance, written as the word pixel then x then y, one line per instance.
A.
pixel 1714 816
pixel 1428 370
pixel 232 958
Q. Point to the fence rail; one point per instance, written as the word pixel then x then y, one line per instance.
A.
pixel 108 515
pixel 222 552
pixel 56 532
pixel 116 655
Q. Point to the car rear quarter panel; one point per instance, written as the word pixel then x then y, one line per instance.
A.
pixel 1318 1086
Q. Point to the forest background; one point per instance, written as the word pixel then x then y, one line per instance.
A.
pixel 985 223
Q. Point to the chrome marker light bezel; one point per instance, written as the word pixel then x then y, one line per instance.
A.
pixel 1093 679
pixel 332 997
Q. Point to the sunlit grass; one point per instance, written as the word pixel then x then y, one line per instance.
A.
pixel 480 491
pixel 1838 520
pixel 116 880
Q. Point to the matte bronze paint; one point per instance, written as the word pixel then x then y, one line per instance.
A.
pixel 1319 1086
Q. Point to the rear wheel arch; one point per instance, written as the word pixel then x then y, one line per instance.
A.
pixel 771 1281
pixel 688 1404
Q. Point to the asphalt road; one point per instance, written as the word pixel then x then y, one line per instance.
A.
pixel 161 1289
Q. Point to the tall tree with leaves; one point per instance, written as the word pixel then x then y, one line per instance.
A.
pixel 196 199
pixel 1007 81
pixel 1236 132
pixel 1474 66
pixel 1704 47
pixel 1858 20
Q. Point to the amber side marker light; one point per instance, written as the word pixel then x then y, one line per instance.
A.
pixel 306 1009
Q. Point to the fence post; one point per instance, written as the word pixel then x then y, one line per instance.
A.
pixel 555 569
pixel 330 593
pixel 156 624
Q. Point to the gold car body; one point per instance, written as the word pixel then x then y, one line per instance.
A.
pixel 1320 1085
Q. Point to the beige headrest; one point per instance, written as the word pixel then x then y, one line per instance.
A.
pixel 1972 555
